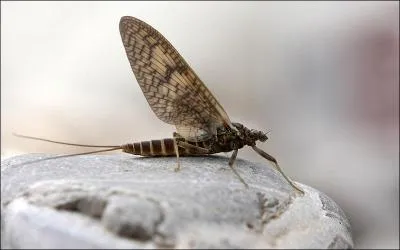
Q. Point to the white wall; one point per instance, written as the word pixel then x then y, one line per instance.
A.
pixel 322 76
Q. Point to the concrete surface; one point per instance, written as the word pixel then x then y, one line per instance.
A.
pixel 121 201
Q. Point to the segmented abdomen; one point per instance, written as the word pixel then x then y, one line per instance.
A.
pixel 161 147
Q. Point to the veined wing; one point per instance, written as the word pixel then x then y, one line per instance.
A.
pixel 174 91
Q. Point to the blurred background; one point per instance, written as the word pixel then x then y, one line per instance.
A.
pixel 323 77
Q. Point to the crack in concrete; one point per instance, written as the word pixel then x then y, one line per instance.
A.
pixel 162 241
pixel 90 203
pixel 269 209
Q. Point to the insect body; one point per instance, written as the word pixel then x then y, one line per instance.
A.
pixel 225 141
pixel 178 97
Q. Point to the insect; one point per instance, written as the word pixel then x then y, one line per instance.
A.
pixel 178 97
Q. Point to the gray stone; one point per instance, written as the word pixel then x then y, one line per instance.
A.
pixel 120 201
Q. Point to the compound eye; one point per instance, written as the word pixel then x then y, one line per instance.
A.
pixel 261 136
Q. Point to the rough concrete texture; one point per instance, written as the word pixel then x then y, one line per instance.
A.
pixel 121 201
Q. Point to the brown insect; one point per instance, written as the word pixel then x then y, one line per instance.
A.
pixel 177 96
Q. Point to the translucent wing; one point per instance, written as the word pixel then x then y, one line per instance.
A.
pixel 175 93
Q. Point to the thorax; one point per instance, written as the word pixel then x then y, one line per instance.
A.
pixel 225 140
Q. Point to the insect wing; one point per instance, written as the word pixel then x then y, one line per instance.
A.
pixel 173 90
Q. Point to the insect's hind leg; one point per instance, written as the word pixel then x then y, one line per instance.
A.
pixel 196 149
pixel 178 167
pixel 182 144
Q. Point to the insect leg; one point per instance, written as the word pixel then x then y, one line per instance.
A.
pixel 233 157
pixel 276 166
pixel 231 162
pixel 178 167
pixel 198 149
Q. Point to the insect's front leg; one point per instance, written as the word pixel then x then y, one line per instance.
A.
pixel 276 166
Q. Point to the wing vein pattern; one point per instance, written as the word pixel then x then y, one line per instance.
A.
pixel 173 90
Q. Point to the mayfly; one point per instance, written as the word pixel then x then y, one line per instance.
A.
pixel 178 97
